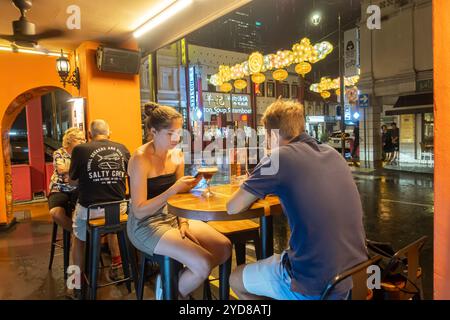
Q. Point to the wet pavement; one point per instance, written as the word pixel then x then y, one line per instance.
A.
pixel 398 208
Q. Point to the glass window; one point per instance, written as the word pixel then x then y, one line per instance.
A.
pixel 294 91
pixel 260 89
pixel 428 128
pixel 18 138
pixel 284 87
pixel 270 89
pixel 167 79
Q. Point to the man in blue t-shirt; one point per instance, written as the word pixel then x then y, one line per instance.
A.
pixel 323 208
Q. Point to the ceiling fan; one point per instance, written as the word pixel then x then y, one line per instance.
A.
pixel 24 31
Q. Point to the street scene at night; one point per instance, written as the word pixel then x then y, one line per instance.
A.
pixel 225 150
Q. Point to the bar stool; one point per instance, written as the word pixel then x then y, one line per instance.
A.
pixel 169 269
pixel 55 242
pixel 239 232
pixel 112 223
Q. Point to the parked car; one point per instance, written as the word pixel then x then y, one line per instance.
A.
pixel 335 140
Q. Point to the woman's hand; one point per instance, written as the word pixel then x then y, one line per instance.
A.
pixel 184 184
pixel 185 232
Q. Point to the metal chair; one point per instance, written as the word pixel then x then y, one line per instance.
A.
pixel 112 223
pixel 360 291
pixel 408 284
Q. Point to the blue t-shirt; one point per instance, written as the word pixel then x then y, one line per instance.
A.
pixel 323 208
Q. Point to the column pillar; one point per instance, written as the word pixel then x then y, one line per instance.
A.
pixel 441 34
pixel 370 135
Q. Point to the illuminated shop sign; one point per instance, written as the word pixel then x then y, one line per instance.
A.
pixel 192 89
pixel 215 103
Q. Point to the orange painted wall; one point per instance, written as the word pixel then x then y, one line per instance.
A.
pixel 110 96
pixel 441 36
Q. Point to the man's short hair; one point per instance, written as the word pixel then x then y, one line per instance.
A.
pixel 286 115
pixel 99 127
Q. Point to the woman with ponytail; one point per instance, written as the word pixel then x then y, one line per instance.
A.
pixel 156 172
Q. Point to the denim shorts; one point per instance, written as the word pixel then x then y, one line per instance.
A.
pixel 269 278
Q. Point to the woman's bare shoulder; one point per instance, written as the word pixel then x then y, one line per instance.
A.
pixel 140 156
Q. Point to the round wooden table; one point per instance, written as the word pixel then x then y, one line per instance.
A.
pixel 195 206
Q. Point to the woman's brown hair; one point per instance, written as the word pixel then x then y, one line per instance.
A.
pixel 158 117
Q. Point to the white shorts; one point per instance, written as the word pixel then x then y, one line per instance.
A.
pixel 269 278
pixel 80 215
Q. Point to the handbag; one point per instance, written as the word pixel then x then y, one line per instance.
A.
pixel 392 268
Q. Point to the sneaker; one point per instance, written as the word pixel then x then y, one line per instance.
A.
pixel 158 288
pixel 116 272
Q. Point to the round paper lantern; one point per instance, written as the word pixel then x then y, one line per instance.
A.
pixel 325 94
pixel 280 74
pixel 226 87
pixel 258 78
pixel 240 84
pixel 303 68
pixel 255 62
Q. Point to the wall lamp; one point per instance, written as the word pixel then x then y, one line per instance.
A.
pixel 63 68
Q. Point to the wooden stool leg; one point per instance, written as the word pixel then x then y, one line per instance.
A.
pixel 52 245
pixel 224 284
pixel 95 257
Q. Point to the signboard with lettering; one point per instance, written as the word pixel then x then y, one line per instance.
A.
pixel 424 85
pixel 215 103
pixel 192 88
pixel 363 101
pixel 351 52
pixel 241 104
pixel 407 128
pixel 347 114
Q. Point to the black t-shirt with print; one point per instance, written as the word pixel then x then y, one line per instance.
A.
pixel 101 169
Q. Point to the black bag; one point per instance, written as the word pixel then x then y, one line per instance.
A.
pixel 389 267
pixel 392 269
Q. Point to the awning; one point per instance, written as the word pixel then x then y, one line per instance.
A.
pixel 412 104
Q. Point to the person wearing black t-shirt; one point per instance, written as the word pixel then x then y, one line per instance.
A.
pixel 100 167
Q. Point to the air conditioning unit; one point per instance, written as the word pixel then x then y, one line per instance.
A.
pixel 118 60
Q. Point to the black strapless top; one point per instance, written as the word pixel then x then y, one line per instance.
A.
pixel 159 184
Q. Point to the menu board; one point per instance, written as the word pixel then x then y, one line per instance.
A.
pixel 407 128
